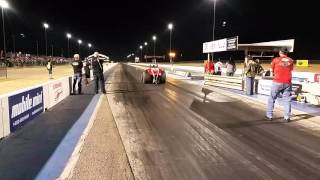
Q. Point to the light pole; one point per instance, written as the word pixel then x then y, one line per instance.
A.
pixel 141 48
pixel 4 5
pixel 14 43
pixel 37 46
pixel 89 47
pixel 46 26
pixel 154 38
pixel 170 27
pixel 51 50
pixel 69 36
pixel 79 42
pixel 147 49
pixel 214 22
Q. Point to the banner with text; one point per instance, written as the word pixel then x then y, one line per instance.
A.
pixel 58 91
pixel 227 44
pixel 24 107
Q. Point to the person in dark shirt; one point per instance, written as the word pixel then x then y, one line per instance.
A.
pixel 77 69
pixel 86 67
pixel 49 68
pixel 97 67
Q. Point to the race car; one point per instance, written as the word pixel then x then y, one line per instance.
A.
pixel 153 75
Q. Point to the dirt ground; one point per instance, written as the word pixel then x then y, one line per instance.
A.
pixel 19 78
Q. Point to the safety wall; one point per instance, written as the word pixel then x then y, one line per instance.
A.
pixel 20 107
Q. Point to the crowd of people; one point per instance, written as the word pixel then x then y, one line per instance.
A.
pixel 215 68
pixel 20 60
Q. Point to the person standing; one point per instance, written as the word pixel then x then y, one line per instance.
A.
pixel 50 68
pixel 87 71
pixel 282 68
pixel 218 68
pixel 97 66
pixel 251 71
pixel 77 77
pixel 231 68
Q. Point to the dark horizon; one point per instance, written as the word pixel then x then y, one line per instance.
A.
pixel 118 28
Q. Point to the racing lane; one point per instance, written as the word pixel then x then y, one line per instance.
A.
pixel 171 132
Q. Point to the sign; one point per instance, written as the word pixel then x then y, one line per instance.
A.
pixel 302 63
pixel 221 45
pixel 154 57
pixel 232 43
pixel 24 107
pixel 58 91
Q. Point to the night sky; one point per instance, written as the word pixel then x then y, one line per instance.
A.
pixel 117 28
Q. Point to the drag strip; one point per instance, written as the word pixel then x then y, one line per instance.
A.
pixel 171 132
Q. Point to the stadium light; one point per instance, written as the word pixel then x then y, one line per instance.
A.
pixel 46 26
pixel 4 4
pixel 89 45
pixel 141 48
pixel 170 27
pixel 69 36
pixel 79 42
pixel 154 38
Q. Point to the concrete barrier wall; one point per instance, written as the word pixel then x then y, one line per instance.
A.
pixel 22 106
pixel 4 114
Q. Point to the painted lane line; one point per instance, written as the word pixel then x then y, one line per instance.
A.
pixel 63 160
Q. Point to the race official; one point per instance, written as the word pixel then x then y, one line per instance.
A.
pixel 282 68
pixel 97 67
pixel 77 77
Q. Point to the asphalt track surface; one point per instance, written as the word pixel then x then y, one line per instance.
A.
pixel 171 132
pixel 25 152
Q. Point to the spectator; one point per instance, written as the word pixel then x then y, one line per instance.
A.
pixel 252 69
pixel 231 68
pixel 49 68
pixel 282 67
pixel 218 67
pixel 209 67
pixel 77 78
pixel 87 71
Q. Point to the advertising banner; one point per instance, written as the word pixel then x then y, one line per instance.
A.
pixel 58 91
pixel 302 63
pixel 24 107
pixel 227 44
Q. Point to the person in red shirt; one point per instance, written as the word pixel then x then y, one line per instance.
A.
pixel 282 67
pixel 209 67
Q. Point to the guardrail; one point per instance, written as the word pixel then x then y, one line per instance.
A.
pixel 20 107
pixel 225 82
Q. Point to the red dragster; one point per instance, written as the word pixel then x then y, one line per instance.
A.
pixel 153 75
